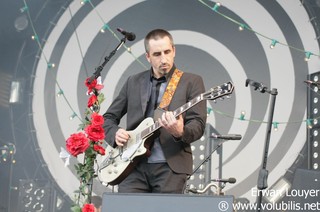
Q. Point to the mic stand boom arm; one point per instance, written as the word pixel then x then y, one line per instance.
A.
pixel 97 73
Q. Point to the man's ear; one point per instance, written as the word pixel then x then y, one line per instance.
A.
pixel 147 56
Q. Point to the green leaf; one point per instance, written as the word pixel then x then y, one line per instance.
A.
pixel 76 208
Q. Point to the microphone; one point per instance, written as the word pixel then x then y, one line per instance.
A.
pixel 227 137
pixel 230 180
pixel 129 35
pixel 312 82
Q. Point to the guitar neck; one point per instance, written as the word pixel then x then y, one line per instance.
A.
pixel 151 129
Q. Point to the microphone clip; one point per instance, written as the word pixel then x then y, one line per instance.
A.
pixel 256 85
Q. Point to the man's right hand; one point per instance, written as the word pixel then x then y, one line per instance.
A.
pixel 122 137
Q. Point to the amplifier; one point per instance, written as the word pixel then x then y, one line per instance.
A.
pixel 137 202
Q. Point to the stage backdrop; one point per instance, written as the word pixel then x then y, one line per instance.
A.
pixel 208 44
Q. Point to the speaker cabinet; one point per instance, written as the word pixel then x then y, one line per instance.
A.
pixel 305 191
pixel 114 202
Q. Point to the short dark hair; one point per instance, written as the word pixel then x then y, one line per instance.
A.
pixel 156 34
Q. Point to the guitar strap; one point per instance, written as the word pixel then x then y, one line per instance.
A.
pixel 171 88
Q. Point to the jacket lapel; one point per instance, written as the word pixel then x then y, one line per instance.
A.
pixel 144 91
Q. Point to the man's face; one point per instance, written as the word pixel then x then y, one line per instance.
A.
pixel 161 56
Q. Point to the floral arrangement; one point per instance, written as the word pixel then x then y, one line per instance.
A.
pixel 88 141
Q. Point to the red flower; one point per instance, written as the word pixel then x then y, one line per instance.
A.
pixel 88 208
pixel 77 143
pixel 92 100
pixel 95 132
pixel 93 85
pixel 96 119
pixel 99 149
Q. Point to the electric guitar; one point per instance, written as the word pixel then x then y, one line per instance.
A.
pixel 118 162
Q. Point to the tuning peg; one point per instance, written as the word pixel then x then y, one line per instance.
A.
pixel 228 97
pixel 214 101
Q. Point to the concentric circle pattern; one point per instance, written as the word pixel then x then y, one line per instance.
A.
pixel 207 44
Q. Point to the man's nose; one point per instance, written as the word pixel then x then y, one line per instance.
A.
pixel 163 58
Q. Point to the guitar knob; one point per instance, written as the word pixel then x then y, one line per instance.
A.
pixel 109 171
pixel 115 171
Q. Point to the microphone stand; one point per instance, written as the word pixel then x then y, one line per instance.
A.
pixel 263 173
pixel 97 73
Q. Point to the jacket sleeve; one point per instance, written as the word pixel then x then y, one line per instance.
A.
pixel 113 115
pixel 195 118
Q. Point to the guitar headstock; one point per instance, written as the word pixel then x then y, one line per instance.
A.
pixel 219 91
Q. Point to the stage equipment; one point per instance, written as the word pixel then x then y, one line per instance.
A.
pixel 221 182
pixel 263 173
pixel 313 129
pixel 277 191
pixel 127 36
pixel 34 195
pixel 305 189
pixel 200 148
pixel 227 137
pixel 165 202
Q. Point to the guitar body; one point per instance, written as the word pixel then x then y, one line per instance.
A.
pixel 120 161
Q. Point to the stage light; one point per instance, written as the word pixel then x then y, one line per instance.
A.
pixel 315 121
pixel 313 126
pixel 35 37
pixel 38 207
pixel 278 190
pixel 23 9
pixel 307 57
pixel 27 200
pixel 273 43
pixel 104 28
pixel 216 6
pixel 275 126
pixel 315 100
pixel 15 92
pixel 242 27
pixel 28 186
pixel 51 65
pixel 200 149
pixel 84 2
pixel 60 93
pixel 242 115
pixel 34 195
pixel 73 116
